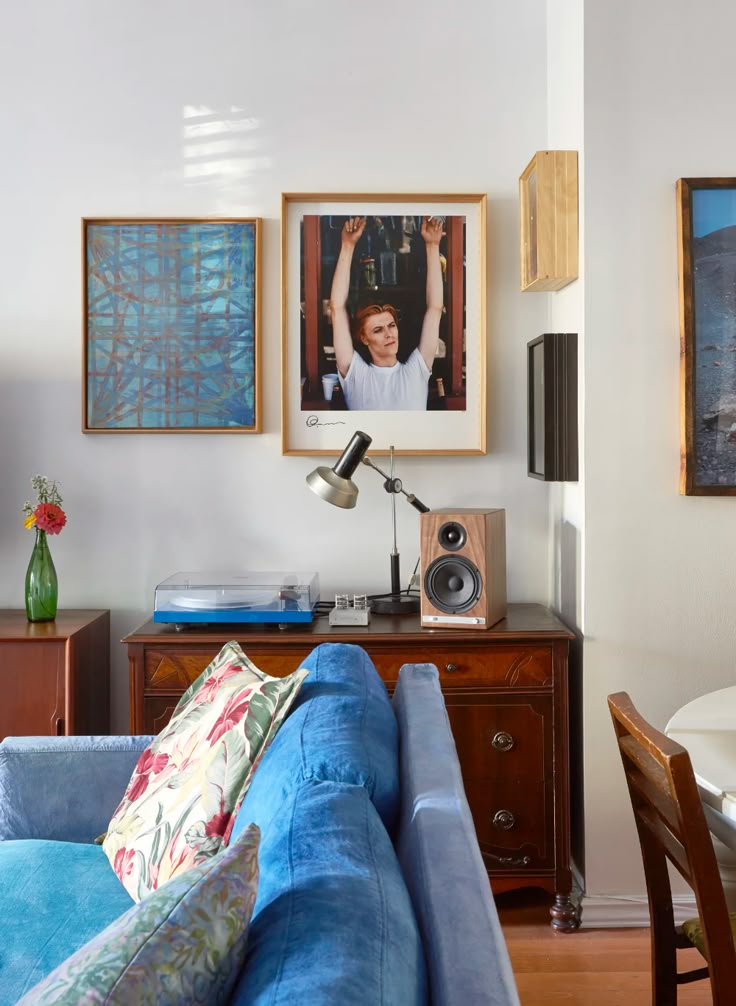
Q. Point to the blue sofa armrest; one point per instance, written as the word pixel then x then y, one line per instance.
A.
pixel 63 788
pixel 438 850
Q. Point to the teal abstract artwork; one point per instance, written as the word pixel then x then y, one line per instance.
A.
pixel 171 325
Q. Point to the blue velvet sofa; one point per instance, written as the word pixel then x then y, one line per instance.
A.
pixel 372 891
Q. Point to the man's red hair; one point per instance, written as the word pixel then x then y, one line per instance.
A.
pixel 363 313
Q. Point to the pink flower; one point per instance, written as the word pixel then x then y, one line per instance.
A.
pixel 231 715
pixel 123 863
pixel 137 787
pixel 209 689
pixel 148 764
pixel 49 517
pixel 153 763
pixel 219 824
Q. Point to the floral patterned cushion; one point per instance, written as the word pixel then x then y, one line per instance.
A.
pixel 693 930
pixel 183 944
pixel 187 787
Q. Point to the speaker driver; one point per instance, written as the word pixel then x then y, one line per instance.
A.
pixel 452 536
pixel 453 584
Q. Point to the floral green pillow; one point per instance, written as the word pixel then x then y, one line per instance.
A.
pixel 181 802
pixel 183 944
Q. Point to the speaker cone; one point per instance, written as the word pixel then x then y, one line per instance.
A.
pixel 453 584
pixel 452 536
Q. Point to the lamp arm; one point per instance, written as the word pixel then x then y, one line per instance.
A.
pixel 416 503
pixel 394 485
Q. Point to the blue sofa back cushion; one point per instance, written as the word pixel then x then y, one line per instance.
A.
pixel 342 729
pixel 54 897
pixel 458 919
pixel 333 921
pixel 34 805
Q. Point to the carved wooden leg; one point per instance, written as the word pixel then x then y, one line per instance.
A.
pixel 565 914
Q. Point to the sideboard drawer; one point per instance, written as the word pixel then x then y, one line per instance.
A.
pixel 514 823
pixel 174 670
pixel 505 743
pixel 496 666
pixel 489 667
pixel 502 737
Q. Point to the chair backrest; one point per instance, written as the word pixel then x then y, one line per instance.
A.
pixel 671 824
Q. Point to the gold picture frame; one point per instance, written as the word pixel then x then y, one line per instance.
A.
pixel 548 221
pixel 390 268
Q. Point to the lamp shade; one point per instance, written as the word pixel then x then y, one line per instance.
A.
pixel 335 485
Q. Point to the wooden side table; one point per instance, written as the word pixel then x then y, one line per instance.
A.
pixel 55 676
pixel 506 692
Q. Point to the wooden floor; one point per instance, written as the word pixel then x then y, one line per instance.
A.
pixel 591 967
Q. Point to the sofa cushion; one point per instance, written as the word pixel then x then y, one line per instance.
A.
pixel 333 921
pixel 342 728
pixel 439 854
pixel 179 806
pixel 182 945
pixel 64 788
pixel 54 896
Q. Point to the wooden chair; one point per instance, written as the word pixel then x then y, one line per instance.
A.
pixel 671 824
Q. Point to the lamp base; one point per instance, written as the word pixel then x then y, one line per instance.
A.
pixel 400 604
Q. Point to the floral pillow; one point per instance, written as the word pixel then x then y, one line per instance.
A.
pixel 181 802
pixel 183 945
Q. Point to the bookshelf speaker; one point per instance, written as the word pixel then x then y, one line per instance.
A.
pixel 463 568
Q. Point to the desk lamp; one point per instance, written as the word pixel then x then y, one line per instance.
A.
pixel 337 487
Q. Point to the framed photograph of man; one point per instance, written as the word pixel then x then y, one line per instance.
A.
pixel 383 322
pixel 707 258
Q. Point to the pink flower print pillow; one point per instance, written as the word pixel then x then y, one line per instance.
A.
pixel 180 804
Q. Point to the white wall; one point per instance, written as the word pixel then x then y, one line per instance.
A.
pixel 330 96
pixel 565 313
pixel 660 611
pixel 566 307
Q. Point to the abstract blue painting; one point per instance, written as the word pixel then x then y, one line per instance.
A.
pixel 172 325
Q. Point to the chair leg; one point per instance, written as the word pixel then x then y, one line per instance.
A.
pixel 663 937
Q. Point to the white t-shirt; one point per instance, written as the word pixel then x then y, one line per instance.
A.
pixel 403 386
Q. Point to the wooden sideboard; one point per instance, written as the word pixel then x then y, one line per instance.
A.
pixel 55 676
pixel 507 698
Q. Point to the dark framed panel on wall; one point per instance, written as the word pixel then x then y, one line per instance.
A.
pixel 552 407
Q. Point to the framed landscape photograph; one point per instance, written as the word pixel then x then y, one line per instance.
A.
pixel 171 325
pixel 707 268
pixel 383 322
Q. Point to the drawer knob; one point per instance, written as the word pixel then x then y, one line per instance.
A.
pixel 502 741
pixel 504 820
pixel 451 668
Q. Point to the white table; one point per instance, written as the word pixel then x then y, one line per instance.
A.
pixel 707 728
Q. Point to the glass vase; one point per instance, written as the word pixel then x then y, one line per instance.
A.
pixel 42 587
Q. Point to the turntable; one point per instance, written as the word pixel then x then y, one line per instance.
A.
pixel 203 598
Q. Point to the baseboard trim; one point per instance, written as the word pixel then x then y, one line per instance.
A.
pixel 612 912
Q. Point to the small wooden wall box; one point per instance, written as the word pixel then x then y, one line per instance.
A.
pixel 548 220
